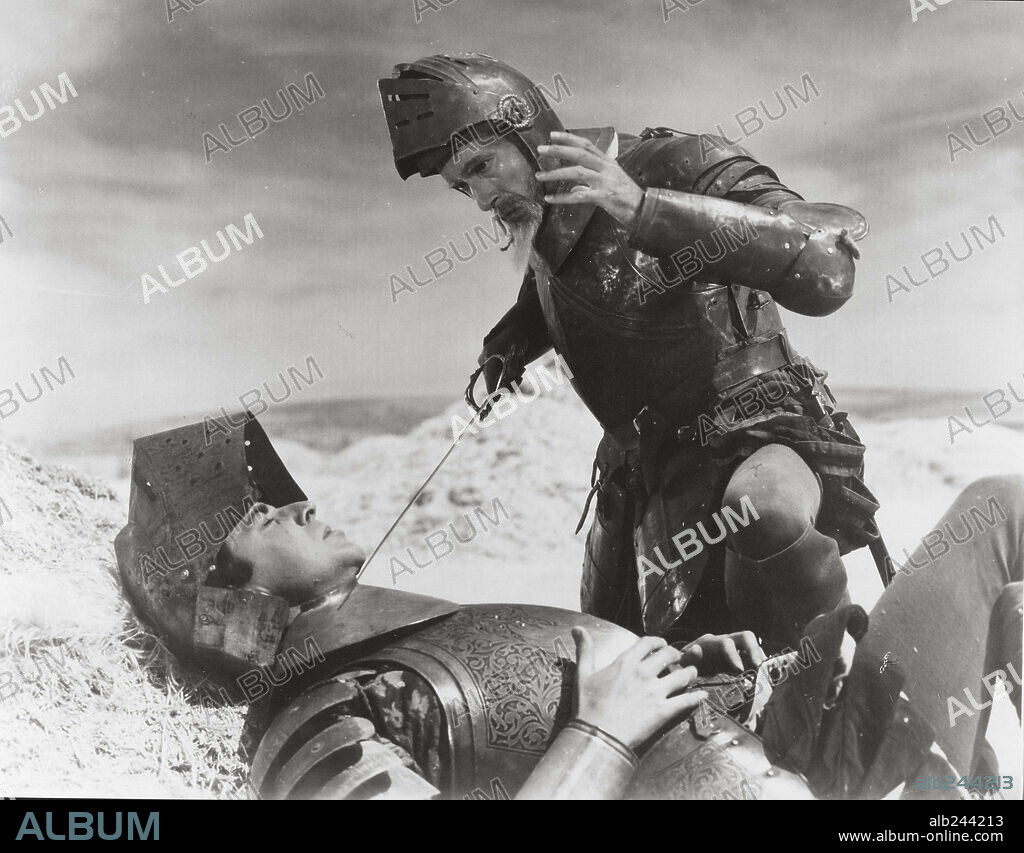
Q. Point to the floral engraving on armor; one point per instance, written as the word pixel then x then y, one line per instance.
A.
pixel 520 676
pixel 706 773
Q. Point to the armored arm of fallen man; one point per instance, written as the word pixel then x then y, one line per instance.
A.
pixel 801 254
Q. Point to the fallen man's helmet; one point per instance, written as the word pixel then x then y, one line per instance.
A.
pixel 189 487
pixel 438 104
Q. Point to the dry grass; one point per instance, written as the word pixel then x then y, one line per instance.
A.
pixel 90 703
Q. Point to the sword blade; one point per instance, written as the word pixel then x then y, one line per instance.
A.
pixel 417 493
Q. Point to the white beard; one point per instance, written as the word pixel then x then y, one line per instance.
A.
pixel 523 234
pixel 523 231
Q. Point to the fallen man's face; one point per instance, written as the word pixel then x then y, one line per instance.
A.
pixel 289 553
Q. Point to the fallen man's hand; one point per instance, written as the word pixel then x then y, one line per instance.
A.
pixel 637 693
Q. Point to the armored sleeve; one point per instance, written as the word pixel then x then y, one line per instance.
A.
pixel 717 215
pixel 359 735
pixel 523 323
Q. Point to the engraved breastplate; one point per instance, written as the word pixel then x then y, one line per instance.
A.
pixel 504 674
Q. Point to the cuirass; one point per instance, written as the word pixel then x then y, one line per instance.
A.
pixel 504 675
pixel 628 345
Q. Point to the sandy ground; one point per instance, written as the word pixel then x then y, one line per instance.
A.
pixel 91 704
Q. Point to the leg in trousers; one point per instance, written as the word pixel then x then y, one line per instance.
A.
pixel 952 618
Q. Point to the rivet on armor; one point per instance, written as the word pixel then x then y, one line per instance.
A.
pixel 796 275
pixel 248 443
pixel 248 467
pixel 785 245
pixel 316 747
pixel 770 772
pixel 183 574
pixel 830 251
pixel 204 619
pixel 734 742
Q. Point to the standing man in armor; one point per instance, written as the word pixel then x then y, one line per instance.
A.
pixel 727 484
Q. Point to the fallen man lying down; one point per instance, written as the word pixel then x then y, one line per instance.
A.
pixel 411 696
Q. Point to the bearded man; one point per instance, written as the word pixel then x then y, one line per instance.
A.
pixel 727 484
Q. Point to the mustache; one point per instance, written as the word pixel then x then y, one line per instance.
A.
pixel 519 216
pixel 511 204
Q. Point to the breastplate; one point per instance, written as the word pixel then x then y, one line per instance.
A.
pixel 629 345
pixel 504 674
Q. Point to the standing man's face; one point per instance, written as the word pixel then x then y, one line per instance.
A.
pixel 503 182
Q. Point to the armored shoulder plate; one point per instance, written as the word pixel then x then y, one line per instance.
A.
pixel 687 163
pixel 324 746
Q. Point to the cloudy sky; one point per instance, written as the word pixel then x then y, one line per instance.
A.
pixel 103 189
